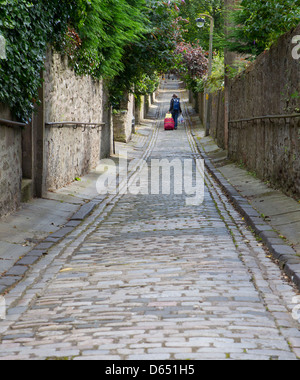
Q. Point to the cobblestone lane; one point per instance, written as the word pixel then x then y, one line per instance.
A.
pixel 153 278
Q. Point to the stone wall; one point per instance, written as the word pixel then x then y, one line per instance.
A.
pixel 72 152
pixel 140 112
pixel 131 111
pixel 10 165
pixel 217 118
pixel 269 146
pixel 197 101
pixel 122 120
pixel 270 84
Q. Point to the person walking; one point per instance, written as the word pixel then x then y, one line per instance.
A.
pixel 175 109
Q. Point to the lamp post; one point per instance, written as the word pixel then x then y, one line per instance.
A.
pixel 200 23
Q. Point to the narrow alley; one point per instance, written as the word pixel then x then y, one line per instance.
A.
pixel 149 277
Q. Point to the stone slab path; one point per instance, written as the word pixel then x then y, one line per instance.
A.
pixel 147 277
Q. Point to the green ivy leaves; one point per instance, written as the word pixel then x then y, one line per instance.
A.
pixel 123 41
pixel 27 27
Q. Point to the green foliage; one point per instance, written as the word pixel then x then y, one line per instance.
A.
pixel 105 28
pixel 191 64
pixel 238 66
pixel 148 84
pixel 258 24
pixel 126 42
pixel 129 43
pixel 193 50
pixel 217 78
pixel 198 83
pixel 191 12
pixel 27 27
pixel 151 55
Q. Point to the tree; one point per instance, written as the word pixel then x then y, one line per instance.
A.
pixel 151 55
pixel 126 42
pixel 258 24
pixel 105 29
pixel 193 62
pixel 191 12
pixel 93 34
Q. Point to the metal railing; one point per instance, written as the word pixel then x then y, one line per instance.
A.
pixel 290 116
pixel 75 125
pixel 13 124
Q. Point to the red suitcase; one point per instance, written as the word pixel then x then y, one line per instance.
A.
pixel 169 123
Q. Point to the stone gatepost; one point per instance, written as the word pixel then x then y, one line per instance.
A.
pixel 122 120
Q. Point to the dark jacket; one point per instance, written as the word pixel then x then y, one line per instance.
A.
pixel 172 106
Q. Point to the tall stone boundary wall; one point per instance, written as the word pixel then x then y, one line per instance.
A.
pixel 216 112
pixel 268 146
pixel 71 152
pixel 271 86
pixel 217 117
pixel 197 101
pixel 10 165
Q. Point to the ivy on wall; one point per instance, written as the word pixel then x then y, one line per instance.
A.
pixel 27 26
pixel 126 42
pixel 94 35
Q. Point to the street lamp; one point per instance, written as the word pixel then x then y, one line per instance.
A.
pixel 200 23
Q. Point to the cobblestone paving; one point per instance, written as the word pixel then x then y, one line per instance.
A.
pixel 155 279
